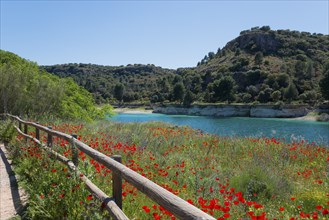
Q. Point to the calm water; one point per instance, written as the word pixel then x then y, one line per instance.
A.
pixel 291 130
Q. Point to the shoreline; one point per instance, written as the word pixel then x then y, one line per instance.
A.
pixel 305 118
pixel 132 110
pixel 149 111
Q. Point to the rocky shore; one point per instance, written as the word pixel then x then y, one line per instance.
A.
pixel 258 111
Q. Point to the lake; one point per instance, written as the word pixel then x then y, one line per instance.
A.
pixel 291 130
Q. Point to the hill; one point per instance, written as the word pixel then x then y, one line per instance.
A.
pixel 109 83
pixel 260 65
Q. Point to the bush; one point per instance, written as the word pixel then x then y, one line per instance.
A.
pixel 323 117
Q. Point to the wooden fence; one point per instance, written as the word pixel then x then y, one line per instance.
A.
pixel 177 206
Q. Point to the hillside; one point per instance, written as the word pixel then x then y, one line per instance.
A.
pixel 109 83
pixel 260 65
pixel 27 91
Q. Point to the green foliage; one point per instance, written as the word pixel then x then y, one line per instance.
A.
pixel 258 56
pixel 276 95
pixel 7 131
pixel 119 91
pixel 324 85
pixel 291 92
pixel 27 91
pixel 178 92
pixel 188 98
pixel 224 89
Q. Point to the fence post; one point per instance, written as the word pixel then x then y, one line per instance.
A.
pixel 37 132
pixel 75 158
pixel 117 184
pixel 25 131
pixel 50 138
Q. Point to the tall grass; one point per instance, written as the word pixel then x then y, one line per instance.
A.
pixel 226 177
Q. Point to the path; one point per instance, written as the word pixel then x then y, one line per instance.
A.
pixel 11 198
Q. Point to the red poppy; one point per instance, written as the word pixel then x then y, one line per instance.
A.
pixel 156 216
pixel 190 201
pixel 318 207
pixel 146 209
pixel 90 197
pixel 258 206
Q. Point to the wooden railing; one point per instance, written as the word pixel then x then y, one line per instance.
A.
pixel 177 206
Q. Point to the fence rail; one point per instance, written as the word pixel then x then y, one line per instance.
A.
pixel 176 205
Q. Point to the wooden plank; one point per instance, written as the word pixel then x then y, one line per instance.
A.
pixel 75 155
pixel 37 133
pixel 49 138
pixel 25 131
pixel 117 184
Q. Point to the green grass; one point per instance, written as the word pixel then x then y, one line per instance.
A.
pixel 226 177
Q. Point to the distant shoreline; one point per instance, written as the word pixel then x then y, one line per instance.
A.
pixel 149 111
pixel 133 110
pixel 305 118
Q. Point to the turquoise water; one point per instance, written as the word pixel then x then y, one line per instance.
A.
pixel 291 130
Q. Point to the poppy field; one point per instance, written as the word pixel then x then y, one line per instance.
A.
pixel 229 178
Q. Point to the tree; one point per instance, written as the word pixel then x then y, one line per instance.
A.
pixel 218 51
pixel 205 59
pixel 118 91
pixel 178 92
pixel 276 95
pixel 283 79
pixel 188 98
pixel 265 95
pixel 259 58
pixel 324 85
pixel 211 55
pixel 265 28
pixel 300 69
pixel 310 72
pixel 237 52
pixel 291 92
pixel 224 89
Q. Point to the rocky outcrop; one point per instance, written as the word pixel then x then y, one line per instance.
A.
pixel 256 41
pixel 259 111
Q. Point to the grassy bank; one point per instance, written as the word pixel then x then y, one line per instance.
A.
pixel 226 177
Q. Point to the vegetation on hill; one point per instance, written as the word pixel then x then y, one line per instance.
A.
pixel 270 66
pixel 261 65
pixel 124 83
pixel 26 90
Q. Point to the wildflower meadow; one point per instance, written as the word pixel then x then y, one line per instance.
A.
pixel 228 178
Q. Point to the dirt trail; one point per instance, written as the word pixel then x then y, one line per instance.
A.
pixel 12 199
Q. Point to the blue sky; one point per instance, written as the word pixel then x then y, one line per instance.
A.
pixel 169 34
